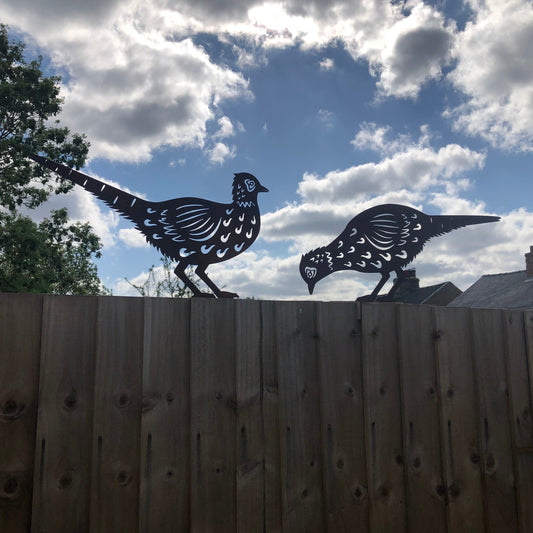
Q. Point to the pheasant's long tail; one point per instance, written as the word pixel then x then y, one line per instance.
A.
pixel 441 224
pixel 125 203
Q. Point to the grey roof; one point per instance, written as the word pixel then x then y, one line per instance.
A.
pixel 439 294
pixel 510 290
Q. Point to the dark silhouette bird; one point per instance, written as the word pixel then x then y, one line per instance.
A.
pixel 382 239
pixel 190 231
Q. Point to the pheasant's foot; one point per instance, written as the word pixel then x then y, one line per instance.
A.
pixel 367 298
pixel 203 295
pixel 225 294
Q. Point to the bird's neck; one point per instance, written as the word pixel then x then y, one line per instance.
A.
pixel 245 204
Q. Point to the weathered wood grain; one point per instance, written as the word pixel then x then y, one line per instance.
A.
pixel 64 427
pixel 426 494
pixel 343 426
pixel 460 443
pixel 494 425
pixel 383 419
pixel 271 425
pixel 165 434
pixel 301 456
pixel 117 415
pixel 213 416
pixel 20 338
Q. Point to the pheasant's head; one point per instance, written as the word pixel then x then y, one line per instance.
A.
pixel 245 189
pixel 314 266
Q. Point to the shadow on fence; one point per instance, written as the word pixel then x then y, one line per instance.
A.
pixel 160 415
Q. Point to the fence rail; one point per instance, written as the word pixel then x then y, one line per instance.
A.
pixel 161 415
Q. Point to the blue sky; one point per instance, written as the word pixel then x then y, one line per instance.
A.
pixel 335 106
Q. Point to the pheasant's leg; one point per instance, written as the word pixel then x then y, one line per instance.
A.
pixel 399 277
pixel 200 272
pixel 180 272
pixel 372 297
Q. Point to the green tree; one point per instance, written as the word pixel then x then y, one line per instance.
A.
pixel 53 256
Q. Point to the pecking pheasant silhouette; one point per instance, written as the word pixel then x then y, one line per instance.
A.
pixel 382 239
pixel 191 231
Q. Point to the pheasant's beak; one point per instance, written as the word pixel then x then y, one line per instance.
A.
pixel 262 189
pixel 311 287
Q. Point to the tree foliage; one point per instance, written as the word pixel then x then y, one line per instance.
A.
pixel 29 103
pixel 53 256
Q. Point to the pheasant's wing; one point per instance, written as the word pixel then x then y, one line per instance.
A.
pixel 385 230
pixel 179 227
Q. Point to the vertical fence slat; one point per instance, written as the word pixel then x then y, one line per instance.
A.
pixel 64 427
pixel 303 508
pixel 461 452
pixel 213 419
pixel 20 338
pixel 384 448
pixel 343 436
pixel 249 429
pixel 494 423
pixel 270 413
pixel 165 436
pixel 521 377
pixel 426 494
pixel 117 415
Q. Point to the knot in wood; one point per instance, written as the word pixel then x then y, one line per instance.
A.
pixel 12 410
pixel 123 478
pixel 123 400
pixel 65 481
pixel 71 401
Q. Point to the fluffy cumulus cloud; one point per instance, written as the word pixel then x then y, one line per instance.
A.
pixel 135 81
pixel 495 72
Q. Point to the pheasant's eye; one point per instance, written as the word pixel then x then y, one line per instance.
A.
pixel 250 185
pixel 310 272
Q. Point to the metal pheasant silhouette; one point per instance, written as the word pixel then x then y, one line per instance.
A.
pixel 191 231
pixel 382 239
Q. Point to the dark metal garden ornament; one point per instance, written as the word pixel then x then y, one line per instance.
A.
pixel 382 239
pixel 190 231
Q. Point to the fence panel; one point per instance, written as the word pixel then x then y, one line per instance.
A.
pixel 213 416
pixel 426 495
pixel 64 427
pixel 343 436
pixel 384 449
pixel 117 415
pixel 20 338
pixel 156 415
pixel 301 457
pixel 165 427
pixel 460 444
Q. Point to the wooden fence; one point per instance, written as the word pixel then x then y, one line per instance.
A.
pixel 158 415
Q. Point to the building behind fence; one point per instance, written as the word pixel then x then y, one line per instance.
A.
pixel 160 415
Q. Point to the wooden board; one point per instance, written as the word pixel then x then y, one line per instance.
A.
pixel 343 427
pixel 64 427
pixel 20 337
pixel 494 426
pixel 249 438
pixel 300 427
pixel 213 416
pixel 520 350
pixel 384 447
pixel 426 492
pixel 271 427
pixel 165 435
pixel 117 415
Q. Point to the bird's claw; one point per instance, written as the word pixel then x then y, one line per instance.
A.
pixel 367 298
pixel 203 295
pixel 226 294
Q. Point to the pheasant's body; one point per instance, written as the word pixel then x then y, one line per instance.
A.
pixel 382 239
pixel 191 231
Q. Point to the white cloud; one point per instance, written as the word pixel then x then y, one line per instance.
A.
pixel 220 152
pixel 327 64
pixel 132 238
pixel 495 71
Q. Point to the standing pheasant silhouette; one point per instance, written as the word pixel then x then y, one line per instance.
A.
pixel 191 231
pixel 382 239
